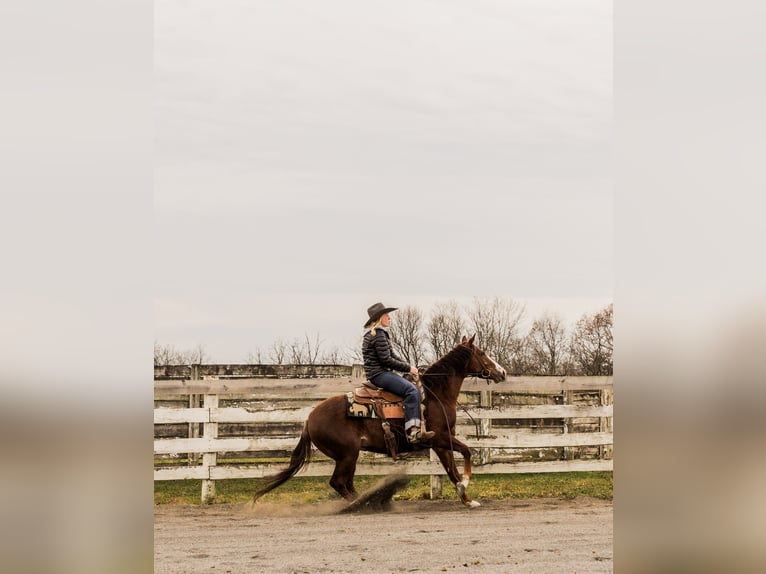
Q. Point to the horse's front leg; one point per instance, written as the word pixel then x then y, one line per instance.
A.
pixel 447 459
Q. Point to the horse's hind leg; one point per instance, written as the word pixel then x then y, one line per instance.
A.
pixel 342 479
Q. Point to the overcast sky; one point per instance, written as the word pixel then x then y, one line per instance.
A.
pixel 313 158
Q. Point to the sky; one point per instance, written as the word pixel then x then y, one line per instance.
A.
pixel 312 159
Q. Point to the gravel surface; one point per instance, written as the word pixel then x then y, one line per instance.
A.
pixel 540 535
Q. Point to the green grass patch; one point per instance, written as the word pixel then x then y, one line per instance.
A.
pixel 308 489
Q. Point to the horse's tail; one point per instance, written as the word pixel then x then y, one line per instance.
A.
pixel 298 459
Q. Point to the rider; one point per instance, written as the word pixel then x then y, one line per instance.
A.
pixel 380 361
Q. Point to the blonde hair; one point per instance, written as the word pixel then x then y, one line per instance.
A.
pixel 373 325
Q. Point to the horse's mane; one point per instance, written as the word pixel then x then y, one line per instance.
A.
pixel 453 362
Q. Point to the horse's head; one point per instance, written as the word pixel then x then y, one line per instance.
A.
pixel 481 364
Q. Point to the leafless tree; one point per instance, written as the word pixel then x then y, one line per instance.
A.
pixel 354 353
pixel 165 355
pixel 198 355
pixel 548 344
pixel 300 352
pixel 445 329
pixel 278 352
pixel 304 351
pixel 592 344
pixel 311 349
pixel 407 335
pixel 159 359
pixel 496 323
pixel 254 357
pixel 333 356
pixel 297 353
pixel 523 362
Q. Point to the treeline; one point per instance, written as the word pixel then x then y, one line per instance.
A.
pixel 546 347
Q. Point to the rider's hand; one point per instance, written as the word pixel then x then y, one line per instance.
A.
pixel 414 371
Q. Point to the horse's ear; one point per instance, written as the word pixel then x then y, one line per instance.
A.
pixel 464 340
pixel 470 341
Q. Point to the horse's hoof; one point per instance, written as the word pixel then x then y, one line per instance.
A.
pixel 473 504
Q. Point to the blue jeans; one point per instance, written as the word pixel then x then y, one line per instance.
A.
pixel 393 383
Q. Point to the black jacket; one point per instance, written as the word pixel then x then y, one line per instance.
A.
pixel 379 356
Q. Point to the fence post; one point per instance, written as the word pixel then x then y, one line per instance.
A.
pixel 436 479
pixel 193 457
pixel 485 427
pixel 604 423
pixel 209 459
pixel 567 397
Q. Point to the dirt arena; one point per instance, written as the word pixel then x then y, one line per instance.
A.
pixel 537 536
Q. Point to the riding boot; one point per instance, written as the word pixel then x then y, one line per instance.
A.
pixel 416 436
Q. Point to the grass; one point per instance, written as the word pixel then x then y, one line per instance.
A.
pixel 307 489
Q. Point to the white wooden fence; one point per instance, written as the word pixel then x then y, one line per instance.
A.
pixel 291 401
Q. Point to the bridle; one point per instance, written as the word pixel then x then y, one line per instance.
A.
pixel 485 373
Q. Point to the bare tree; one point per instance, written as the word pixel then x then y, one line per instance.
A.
pixel 198 355
pixel 165 355
pixel 495 322
pixel 278 352
pixel 592 344
pixel 523 362
pixel 355 353
pixel 333 356
pixel 254 357
pixel 306 351
pixel 312 349
pixel 445 329
pixel 296 352
pixel 547 343
pixel 407 335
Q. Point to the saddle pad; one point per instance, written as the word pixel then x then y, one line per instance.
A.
pixel 365 410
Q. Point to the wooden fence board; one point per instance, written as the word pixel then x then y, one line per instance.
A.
pixel 321 388
pixel 539 412
pixel 422 468
pixel 201 445
pixel 182 473
pixel 539 440
pixel 167 415
pixel 497 440
pixel 241 415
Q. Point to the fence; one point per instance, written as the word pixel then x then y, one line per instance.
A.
pixel 206 415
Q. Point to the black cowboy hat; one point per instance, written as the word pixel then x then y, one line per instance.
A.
pixel 376 311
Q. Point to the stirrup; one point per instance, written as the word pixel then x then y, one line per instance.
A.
pixel 415 435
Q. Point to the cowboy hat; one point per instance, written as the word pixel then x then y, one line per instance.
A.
pixel 376 311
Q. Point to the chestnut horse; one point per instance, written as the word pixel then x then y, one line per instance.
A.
pixel 341 437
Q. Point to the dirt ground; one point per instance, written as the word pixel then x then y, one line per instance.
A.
pixel 535 536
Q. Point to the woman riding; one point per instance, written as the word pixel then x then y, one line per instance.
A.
pixel 380 362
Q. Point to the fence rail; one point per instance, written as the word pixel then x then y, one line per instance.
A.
pixel 562 415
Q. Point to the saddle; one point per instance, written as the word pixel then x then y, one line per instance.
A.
pixel 369 391
pixel 375 403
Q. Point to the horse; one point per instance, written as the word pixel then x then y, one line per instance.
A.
pixel 341 437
